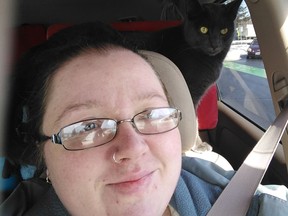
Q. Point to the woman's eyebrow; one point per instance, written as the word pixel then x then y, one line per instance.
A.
pixel 151 95
pixel 78 106
pixel 94 103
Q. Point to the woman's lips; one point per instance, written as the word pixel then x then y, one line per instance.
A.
pixel 133 184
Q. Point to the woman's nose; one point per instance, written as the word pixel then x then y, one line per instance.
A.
pixel 130 144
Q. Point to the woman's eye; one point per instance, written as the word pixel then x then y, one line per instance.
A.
pixel 204 30
pixel 224 31
pixel 89 126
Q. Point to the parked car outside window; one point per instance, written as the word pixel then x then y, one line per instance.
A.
pixel 254 50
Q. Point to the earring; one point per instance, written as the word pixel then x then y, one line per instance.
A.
pixel 115 160
pixel 47 177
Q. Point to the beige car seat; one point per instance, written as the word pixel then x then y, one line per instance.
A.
pixel 178 90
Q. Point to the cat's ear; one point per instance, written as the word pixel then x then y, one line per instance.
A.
pixel 233 7
pixel 192 8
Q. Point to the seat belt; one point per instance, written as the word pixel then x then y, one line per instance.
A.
pixel 237 196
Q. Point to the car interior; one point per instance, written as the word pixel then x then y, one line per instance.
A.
pixel 231 134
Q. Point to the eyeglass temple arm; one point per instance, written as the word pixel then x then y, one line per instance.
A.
pixel 54 138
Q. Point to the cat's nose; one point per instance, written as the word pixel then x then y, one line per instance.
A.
pixel 212 51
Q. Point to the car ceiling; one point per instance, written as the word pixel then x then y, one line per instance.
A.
pixel 75 11
pixel 61 11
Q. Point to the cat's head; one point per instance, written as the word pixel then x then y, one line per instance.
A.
pixel 209 27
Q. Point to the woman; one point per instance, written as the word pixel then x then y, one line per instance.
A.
pixel 106 132
pixel 120 149
pixel 129 168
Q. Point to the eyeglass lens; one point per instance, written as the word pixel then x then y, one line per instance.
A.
pixel 96 132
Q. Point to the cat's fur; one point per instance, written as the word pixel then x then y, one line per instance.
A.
pixel 199 56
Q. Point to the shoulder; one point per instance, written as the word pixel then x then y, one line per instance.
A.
pixel 208 170
pixel 268 199
pixel 24 197
pixel 31 198
pixel 199 185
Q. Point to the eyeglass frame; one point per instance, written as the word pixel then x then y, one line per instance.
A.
pixel 56 139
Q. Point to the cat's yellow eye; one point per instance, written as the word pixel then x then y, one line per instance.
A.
pixel 224 31
pixel 204 30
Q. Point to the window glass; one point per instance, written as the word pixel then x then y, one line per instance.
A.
pixel 243 84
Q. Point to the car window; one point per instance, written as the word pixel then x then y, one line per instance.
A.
pixel 254 42
pixel 243 84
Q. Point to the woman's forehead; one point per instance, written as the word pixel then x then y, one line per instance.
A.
pixel 117 64
pixel 108 79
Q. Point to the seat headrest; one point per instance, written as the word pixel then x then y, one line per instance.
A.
pixel 178 90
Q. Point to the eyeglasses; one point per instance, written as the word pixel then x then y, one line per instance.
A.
pixel 99 131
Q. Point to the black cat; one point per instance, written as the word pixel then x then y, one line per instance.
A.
pixel 199 45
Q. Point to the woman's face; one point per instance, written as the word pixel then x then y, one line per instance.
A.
pixel 117 84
